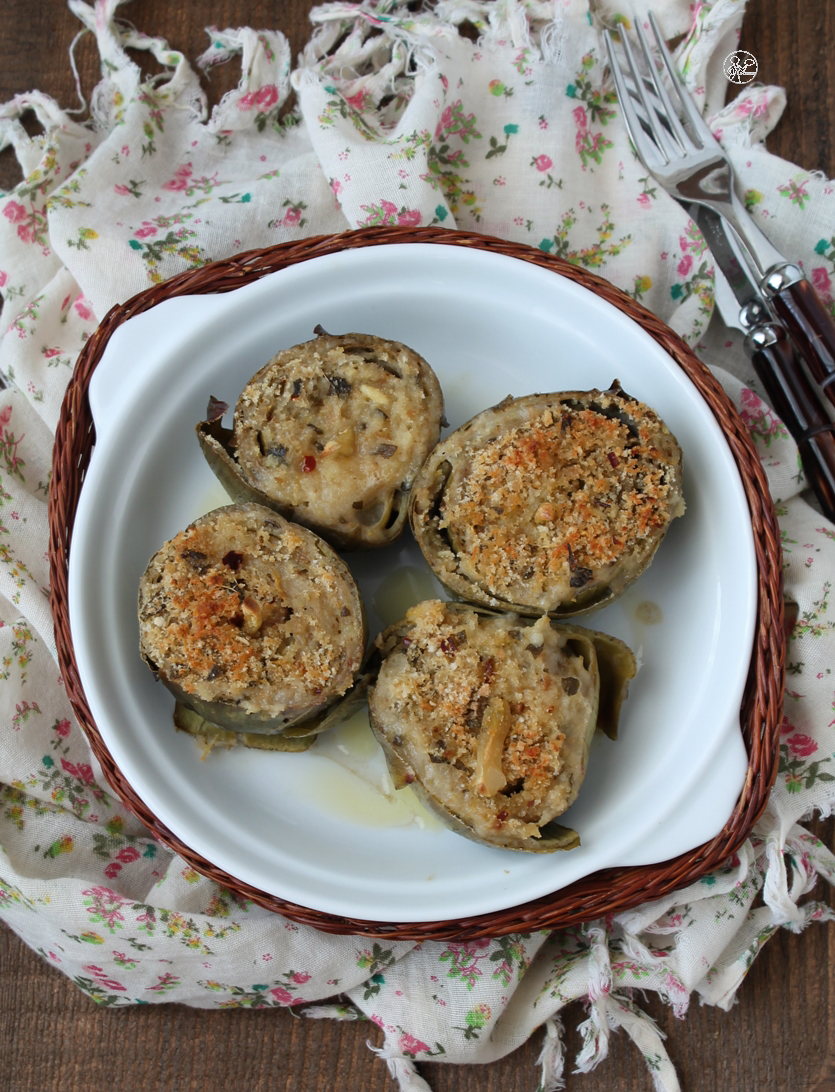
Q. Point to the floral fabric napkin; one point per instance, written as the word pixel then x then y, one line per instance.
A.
pixel 489 115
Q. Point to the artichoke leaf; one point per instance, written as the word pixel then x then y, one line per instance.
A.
pixel 553 837
pixel 234 718
pixel 187 720
pixel 217 444
pixel 616 666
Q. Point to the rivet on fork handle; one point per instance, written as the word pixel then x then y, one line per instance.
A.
pixel 801 311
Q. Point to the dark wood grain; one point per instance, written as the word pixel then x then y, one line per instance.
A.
pixel 778 1036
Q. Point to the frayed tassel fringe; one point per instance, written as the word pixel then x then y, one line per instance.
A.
pixel 403 1069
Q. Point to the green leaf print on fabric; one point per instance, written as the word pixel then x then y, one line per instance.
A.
pixel 590 257
pixel 386 214
pixel 261 995
pixel 446 163
pixel 155 121
pixel 499 149
pixel 98 992
pixel 340 107
pixel 186 183
pixel 30 223
pixel 641 286
pixel 20 654
pixel 29 314
pixel 497 88
pixel 752 198
pixel 83 238
pixel 801 764
pixel 795 191
pixel 475 1020
pixel 64 844
pixel 510 958
pixel 174 244
pixel 760 420
pixel 821 277
pixel 465 960
pixel 410 1046
pixel 374 959
pixel 812 622
pixel 599 109
pixel 292 216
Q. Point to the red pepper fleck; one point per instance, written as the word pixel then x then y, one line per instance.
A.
pixel 308 464
pixel 613 459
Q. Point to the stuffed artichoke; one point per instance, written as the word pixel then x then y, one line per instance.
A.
pixel 254 624
pixel 331 434
pixel 490 717
pixel 550 503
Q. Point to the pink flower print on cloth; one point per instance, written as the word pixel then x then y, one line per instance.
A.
pixel 181 179
pixel 265 83
pixel 14 212
pixel 399 119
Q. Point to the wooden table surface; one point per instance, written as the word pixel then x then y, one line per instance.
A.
pixel 780 1033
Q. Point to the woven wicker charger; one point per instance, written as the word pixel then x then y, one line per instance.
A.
pixel 603 892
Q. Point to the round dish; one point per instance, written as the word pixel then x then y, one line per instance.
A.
pixel 677 770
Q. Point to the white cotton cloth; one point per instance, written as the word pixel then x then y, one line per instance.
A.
pixel 399 119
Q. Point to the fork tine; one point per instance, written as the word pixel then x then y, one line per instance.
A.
pixel 670 114
pixel 647 149
pixel 693 115
pixel 659 134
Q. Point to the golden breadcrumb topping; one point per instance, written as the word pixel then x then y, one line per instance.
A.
pixel 494 712
pixel 559 498
pixel 242 610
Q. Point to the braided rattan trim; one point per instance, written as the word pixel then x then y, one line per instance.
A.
pixel 602 893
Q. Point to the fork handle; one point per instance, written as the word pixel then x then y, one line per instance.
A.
pixel 807 321
pixel 796 404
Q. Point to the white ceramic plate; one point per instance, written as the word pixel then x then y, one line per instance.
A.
pixel 318 829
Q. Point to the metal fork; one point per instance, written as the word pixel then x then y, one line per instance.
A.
pixel 693 167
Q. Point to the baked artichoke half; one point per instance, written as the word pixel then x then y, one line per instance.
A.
pixel 331 434
pixel 490 717
pixel 550 503
pixel 255 625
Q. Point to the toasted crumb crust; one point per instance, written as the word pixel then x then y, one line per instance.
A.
pixel 492 713
pixel 551 495
pixel 245 608
pixel 337 428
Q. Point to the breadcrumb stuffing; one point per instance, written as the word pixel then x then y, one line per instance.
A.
pixel 559 499
pixel 455 675
pixel 244 608
pixel 335 426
